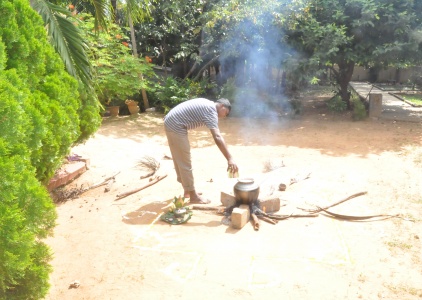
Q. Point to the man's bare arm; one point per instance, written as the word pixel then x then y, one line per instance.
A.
pixel 219 141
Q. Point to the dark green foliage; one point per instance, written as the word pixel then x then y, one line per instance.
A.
pixel 118 74
pixel 336 35
pixel 173 91
pixel 48 97
pixel 336 104
pixel 359 109
pixel 26 215
pixel 40 111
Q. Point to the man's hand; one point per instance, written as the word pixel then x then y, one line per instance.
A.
pixel 232 167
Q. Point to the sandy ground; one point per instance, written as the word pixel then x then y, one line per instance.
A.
pixel 119 249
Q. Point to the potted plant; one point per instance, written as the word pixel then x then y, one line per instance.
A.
pixel 118 74
pixel 113 107
pixel 133 107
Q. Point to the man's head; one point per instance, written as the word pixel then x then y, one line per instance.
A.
pixel 223 107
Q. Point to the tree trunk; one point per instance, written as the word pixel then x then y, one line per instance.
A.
pixel 206 66
pixel 132 37
pixel 135 53
pixel 344 76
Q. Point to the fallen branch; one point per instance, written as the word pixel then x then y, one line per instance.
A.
pixel 283 217
pixel 314 211
pixel 123 195
pixel 357 218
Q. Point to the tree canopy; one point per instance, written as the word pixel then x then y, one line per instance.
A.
pixel 339 34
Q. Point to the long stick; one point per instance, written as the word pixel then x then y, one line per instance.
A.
pixel 314 211
pixel 120 196
pixel 357 218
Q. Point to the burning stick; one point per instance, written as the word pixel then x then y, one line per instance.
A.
pixel 256 210
pixel 255 221
pixel 268 220
pixel 120 196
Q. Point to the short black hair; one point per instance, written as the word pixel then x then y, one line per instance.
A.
pixel 226 103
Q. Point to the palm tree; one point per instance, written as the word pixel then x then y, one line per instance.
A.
pixel 64 33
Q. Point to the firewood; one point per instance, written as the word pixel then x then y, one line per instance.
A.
pixel 268 220
pixel 284 217
pixel 255 221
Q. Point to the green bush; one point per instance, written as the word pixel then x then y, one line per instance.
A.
pixel 359 109
pixel 42 115
pixel 336 104
pixel 171 91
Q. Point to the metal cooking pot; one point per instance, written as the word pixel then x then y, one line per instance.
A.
pixel 246 190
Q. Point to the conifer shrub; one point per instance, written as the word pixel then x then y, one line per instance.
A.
pixel 42 115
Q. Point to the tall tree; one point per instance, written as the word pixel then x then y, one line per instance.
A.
pixel 339 34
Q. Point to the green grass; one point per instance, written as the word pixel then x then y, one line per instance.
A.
pixel 412 98
pixel 396 87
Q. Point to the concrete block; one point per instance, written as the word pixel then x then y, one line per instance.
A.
pixel 375 105
pixel 227 200
pixel 269 205
pixel 240 216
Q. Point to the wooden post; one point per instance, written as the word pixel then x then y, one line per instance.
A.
pixel 375 105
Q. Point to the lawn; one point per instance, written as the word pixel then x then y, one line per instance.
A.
pixel 413 99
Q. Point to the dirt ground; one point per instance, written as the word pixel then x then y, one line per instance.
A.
pixel 120 249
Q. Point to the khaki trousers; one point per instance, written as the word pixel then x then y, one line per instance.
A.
pixel 180 152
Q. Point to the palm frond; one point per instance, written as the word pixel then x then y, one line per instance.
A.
pixel 138 10
pixel 103 12
pixel 66 39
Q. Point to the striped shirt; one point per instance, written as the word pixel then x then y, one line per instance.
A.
pixel 192 114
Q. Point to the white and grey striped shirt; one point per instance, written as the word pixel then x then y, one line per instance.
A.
pixel 192 114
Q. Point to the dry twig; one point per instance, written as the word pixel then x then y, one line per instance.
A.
pixel 149 163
